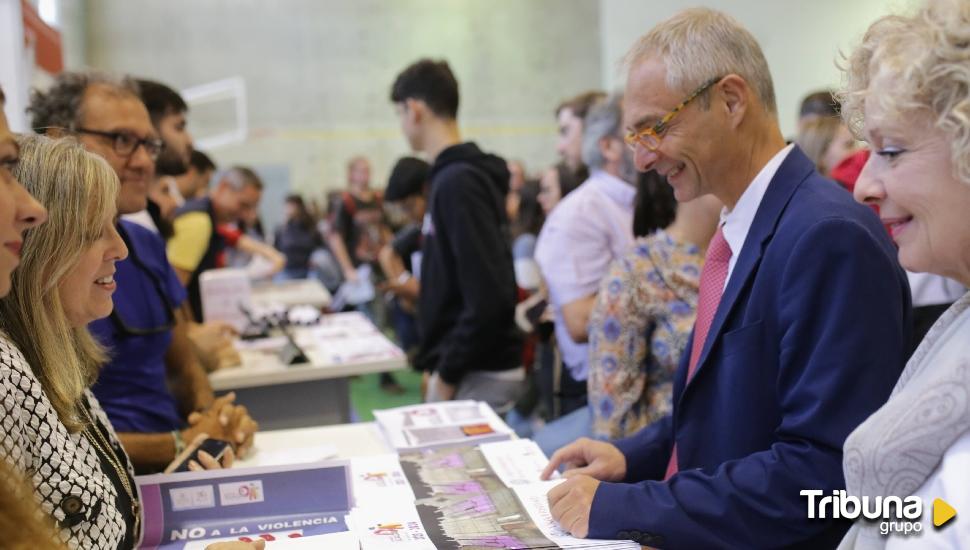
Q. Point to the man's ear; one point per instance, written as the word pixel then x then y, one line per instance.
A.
pixel 415 110
pixel 734 94
pixel 611 148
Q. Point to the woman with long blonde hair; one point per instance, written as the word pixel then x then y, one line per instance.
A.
pixel 54 433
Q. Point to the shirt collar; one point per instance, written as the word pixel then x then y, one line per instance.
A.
pixel 736 223
pixel 613 187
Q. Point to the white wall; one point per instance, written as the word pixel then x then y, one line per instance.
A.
pixel 801 39
pixel 318 73
pixel 13 67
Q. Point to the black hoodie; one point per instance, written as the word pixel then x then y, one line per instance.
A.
pixel 468 290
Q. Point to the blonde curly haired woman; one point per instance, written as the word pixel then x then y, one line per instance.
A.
pixel 908 95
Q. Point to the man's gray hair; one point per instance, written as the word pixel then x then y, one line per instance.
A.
pixel 60 106
pixel 604 120
pixel 238 177
pixel 699 44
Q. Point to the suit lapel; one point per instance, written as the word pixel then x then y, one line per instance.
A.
pixel 795 168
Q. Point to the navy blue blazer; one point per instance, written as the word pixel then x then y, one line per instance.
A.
pixel 808 340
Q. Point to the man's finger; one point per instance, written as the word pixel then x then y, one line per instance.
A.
pixel 245 430
pixel 226 328
pixel 556 494
pixel 228 458
pixel 207 461
pixel 223 399
pixel 575 524
pixel 588 470
pixel 555 461
pixel 226 412
pixel 562 508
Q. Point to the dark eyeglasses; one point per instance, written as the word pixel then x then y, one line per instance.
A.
pixel 125 143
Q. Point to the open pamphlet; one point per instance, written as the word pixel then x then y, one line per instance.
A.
pixel 468 497
pixel 447 423
pixel 280 504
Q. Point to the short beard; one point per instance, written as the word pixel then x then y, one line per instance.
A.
pixel 169 163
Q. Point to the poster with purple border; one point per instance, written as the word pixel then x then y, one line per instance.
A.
pixel 282 501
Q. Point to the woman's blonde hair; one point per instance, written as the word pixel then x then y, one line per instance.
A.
pixel 79 190
pixel 23 524
pixel 815 137
pixel 920 65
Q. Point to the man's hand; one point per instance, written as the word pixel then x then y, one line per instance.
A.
pixel 212 343
pixel 597 459
pixel 439 390
pixel 224 420
pixel 243 428
pixel 570 503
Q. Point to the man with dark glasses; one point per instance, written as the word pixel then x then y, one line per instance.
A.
pixel 146 336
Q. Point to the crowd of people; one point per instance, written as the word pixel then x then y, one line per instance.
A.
pixel 693 316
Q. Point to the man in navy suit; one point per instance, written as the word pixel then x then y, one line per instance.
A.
pixel 801 324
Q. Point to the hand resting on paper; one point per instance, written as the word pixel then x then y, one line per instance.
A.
pixel 570 503
pixel 585 456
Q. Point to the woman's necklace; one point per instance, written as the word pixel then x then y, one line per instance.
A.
pixel 102 444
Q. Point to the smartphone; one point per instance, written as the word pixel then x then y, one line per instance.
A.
pixel 215 447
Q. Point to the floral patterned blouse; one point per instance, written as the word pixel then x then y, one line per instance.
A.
pixel 649 295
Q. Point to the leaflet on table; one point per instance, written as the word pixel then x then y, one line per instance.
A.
pixel 440 424
pixel 281 457
pixel 348 341
pixel 486 496
pixel 377 479
pixel 281 501
pixel 517 461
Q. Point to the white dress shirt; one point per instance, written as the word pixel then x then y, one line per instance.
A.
pixel 736 223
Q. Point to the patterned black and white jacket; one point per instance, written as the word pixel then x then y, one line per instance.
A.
pixel 65 469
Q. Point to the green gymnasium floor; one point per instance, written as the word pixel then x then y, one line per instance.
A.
pixel 366 394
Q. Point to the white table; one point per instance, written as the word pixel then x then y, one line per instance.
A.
pixel 317 393
pixel 347 440
pixel 297 292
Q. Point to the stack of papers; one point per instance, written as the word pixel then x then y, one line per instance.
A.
pixel 474 497
pixel 447 423
pixel 470 497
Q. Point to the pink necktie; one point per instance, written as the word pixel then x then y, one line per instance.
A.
pixel 713 276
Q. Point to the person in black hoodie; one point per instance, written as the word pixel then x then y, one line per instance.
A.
pixel 468 292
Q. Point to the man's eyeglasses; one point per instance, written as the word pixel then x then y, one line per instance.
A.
pixel 650 137
pixel 125 143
